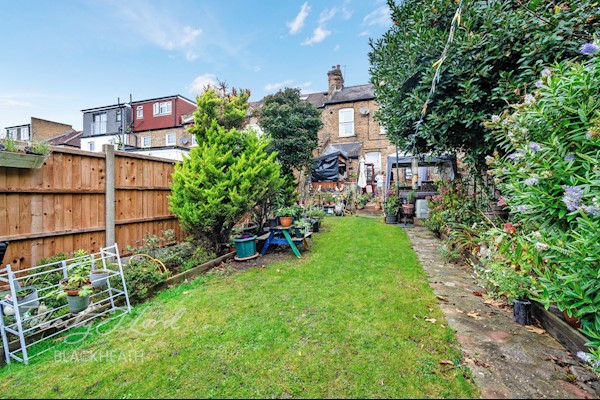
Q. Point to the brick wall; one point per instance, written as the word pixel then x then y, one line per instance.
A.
pixel 366 130
pixel 42 129
pixel 159 137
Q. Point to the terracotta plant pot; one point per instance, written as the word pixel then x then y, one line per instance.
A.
pixel 285 221
pixel 572 321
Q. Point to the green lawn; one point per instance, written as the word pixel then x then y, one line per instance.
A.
pixel 346 320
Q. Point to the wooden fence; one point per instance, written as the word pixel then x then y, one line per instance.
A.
pixel 83 200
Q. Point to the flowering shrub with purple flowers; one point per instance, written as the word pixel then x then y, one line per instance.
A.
pixel 550 178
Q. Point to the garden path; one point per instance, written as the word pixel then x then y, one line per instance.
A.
pixel 507 360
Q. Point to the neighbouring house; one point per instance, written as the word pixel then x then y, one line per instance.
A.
pixel 156 127
pixel 68 139
pixel 36 130
pixel 349 126
pixel 107 125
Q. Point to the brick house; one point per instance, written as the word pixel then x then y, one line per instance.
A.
pixel 36 130
pixel 348 123
pixel 154 127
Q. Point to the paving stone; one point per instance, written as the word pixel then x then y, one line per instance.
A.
pixel 506 359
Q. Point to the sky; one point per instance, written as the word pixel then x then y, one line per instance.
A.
pixel 62 56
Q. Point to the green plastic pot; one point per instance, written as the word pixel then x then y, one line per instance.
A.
pixel 245 247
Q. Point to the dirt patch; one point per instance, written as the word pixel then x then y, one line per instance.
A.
pixel 276 253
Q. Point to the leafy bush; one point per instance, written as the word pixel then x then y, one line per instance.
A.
pixel 392 204
pixel 453 206
pixel 550 178
pixel 140 276
pixel 224 177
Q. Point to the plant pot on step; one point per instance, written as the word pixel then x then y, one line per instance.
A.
pixel 522 312
pixel 27 298
pixel 99 278
pixel 77 303
pixel 391 218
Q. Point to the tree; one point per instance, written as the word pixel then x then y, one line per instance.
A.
pixel 293 125
pixel 496 57
pixel 217 103
pixel 227 174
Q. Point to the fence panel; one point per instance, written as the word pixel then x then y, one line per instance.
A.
pixel 61 207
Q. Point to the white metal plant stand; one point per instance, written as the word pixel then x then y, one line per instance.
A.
pixel 26 321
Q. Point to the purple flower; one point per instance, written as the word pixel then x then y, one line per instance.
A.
pixel 572 197
pixel 538 84
pixel 595 211
pixel 521 208
pixel 533 146
pixel 546 72
pixel 532 181
pixel 502 202
pixel 569 157
pixel 589 49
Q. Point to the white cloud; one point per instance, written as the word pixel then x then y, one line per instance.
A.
pixel 336 48
pixel 379 16
pixel 158 27
pixel 318 36
pixel 298 22
pixel 326 15
pixel 271 87
pixel 364 33
pixel 191 55
pixel 202 82
pixel 257 68
pixel 7 102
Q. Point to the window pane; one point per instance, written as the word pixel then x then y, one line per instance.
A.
pixel 140 112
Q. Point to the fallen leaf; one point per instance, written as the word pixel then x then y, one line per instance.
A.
pixel 186 292
pixel 446 362
pixel 459 311
pixel 443 326
pixel 432 320
pixel 478 293
pixel 473 314
pixel 442 299
pixel 535 329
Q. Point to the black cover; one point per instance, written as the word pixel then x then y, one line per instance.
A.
pixel 325 168
pixel 3 246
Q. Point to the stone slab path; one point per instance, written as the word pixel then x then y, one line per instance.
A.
pixel 507 360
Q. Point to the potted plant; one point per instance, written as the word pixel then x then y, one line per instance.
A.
pixel 27 298
pixel 390 207
pixel 409 207
pixel 77 289
pixel 315 214
pixel 286 215
pixel 15 156
pixel 245 244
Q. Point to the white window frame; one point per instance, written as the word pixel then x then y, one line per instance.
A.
pixel 382 129
pixel 374 157
pixel 119 115
pixel 140 112
pixel 162 108
pixel 92 146
pixel 12 134
pixel 149 138
pixel 194 141
pixel 174 142
pixel 99 125
pixel 346 122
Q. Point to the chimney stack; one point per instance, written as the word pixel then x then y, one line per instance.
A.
pixel 335 80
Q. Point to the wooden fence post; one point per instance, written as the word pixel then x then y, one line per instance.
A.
pixel 109 193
